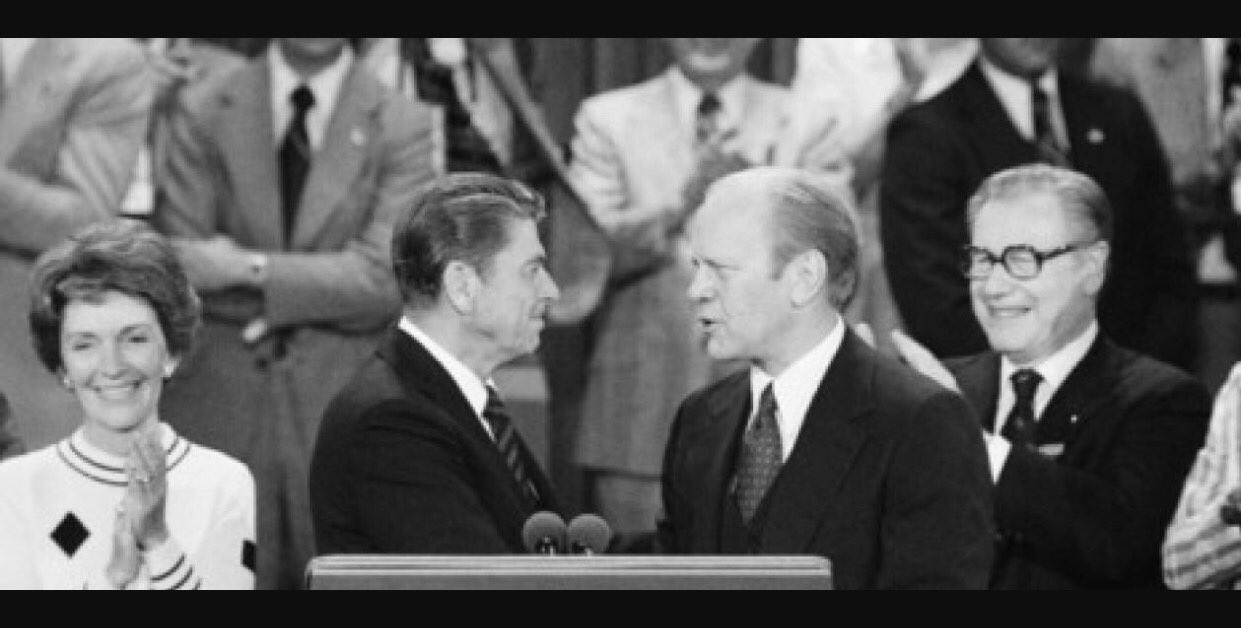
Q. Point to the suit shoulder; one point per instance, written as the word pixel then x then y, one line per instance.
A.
pixel 1141 374
pixel 613 102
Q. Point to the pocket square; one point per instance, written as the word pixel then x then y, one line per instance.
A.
pixel 1051 450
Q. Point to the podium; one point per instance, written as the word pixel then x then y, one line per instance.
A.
pixel 526 572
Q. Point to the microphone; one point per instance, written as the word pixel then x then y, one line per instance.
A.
pixel 589 534
pixel 543 533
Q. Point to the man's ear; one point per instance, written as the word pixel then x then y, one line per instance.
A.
pixel 807 274
pixel 1096 256
pixel 461 286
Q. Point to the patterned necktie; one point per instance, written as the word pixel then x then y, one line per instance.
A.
pixel 295 156
pixel 707 124
pixel 1020 426
pixel 760 456
pixel 1049 149
pixel 508 444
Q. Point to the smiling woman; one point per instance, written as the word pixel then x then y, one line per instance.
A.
pixel 112 314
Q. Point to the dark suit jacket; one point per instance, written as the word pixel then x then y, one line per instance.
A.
pixel 939 152
pixel 403 465
pixel 1095 514
pixel 888 478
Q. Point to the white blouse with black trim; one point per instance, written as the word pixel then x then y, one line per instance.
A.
pixel 58 506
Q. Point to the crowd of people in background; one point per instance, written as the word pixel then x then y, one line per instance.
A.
pixel 950 312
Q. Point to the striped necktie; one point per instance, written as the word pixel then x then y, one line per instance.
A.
pixel 1049 149
pixel 508 442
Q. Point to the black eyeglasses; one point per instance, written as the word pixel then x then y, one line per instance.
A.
pixel 1022 261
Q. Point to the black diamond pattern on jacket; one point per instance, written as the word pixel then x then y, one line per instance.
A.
pixel 69 534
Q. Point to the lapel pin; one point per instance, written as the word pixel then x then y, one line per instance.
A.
pixel 1073 419
pixel 357 137
pixel 1095 136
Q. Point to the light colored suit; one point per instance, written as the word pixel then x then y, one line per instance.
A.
pixel 70 128
pixel 632 156
pixel 330 289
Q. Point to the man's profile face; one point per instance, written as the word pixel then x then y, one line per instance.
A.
pixel 741 306
pixel 711 59
pixel 1027 57
pixel 1030 319
pixel 516 292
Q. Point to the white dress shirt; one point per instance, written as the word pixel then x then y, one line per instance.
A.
pixel 471 386
pixel 325 85
pixel 688 96
pixel 1015 94
pixel 795 388
pixel 1053 370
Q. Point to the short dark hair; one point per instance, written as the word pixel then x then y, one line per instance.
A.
pixel 1083 201
pixel 459 216
pixel 119 255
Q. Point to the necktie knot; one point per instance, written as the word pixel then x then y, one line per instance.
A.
pixel 303 99
pixel 1025 382
pixel 708 116
pixel 709 105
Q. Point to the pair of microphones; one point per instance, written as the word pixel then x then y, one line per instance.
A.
pixel 545 532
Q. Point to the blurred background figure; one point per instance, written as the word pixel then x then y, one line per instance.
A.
pixel 1013 106
pixel 643 156
pixel 1203 546
pixel 1192 89
pixel 124 502
pixel 845 91
pixel 72 117
pixel 283 179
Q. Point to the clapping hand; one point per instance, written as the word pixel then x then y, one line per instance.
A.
pixel 146 493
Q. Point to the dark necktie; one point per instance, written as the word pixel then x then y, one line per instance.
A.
pixel 707 124
pixel 1231 78
pixel 507 441
pixel 760 456
pixel 1020 426
pixel 1049 149
pixel 466 150
pixel 295 156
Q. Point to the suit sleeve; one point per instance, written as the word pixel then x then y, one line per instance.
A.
pixel 922 228
pixel 1105 523
pixel 937 530
pixel 354 288
pixel 413 490
pixel 106 125
pixel 640 235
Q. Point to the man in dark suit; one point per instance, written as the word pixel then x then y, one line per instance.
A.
pixel 416 453
pixel 1013 107
pixel 821 446
pixel 1091 441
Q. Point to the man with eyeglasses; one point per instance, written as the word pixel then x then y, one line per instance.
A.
pixel 1089 441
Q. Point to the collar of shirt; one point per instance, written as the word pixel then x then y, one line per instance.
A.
pixel 688 95
pixel 468 382
pixel 1015 94
pixel 796 386
pixel 325 85
pixel 13 50
pixel 1054 370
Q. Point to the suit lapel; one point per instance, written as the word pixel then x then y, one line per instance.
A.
pixel 714 458
pixel 979 380
pixel 1087 140
pixel 421 375
pixel 985 115
pixel 33 96
pixel 248 144
pixel 1089 386
pixel 833 433
pixel 337 162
